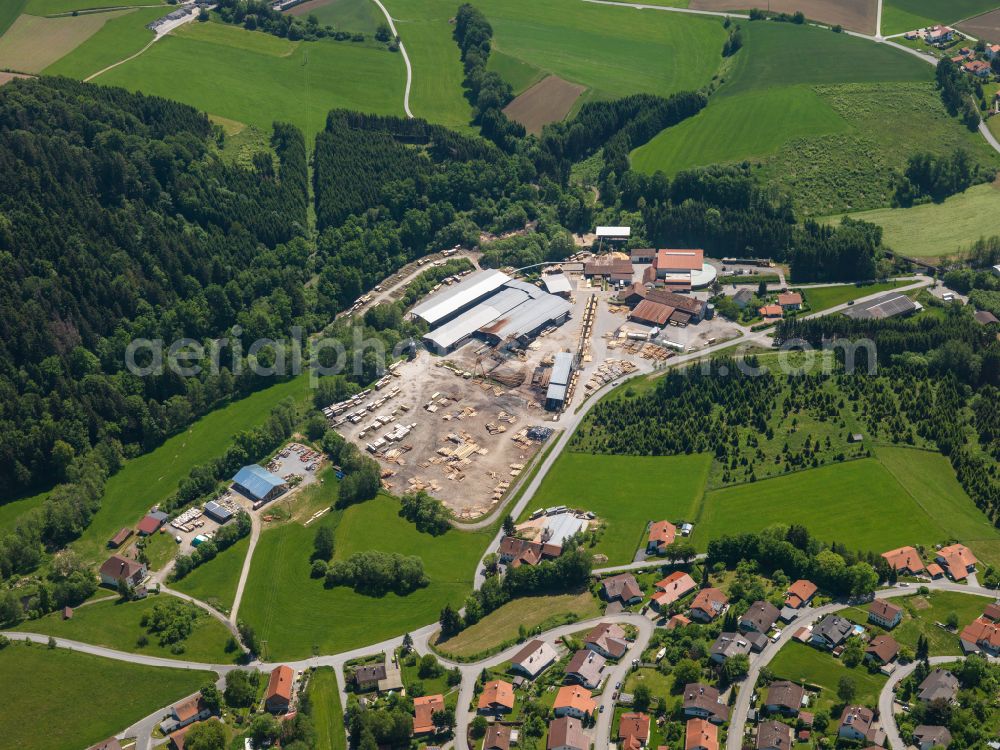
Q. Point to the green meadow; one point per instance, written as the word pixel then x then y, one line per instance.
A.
pixel 62 700
pixel 765 121
pixel 296 615
pixel 115 624
pixel 54 7
pixel 215 582
pixel 346 15
pixel 933 230
pixel 11 510
pixel 612 51
pixel 256 78
pixel 805 664
pixel 823 298
pixel 327 715
pixel 899 16
pixel 627 492
pixel 154 476
pixel 119 38
pixel 9 11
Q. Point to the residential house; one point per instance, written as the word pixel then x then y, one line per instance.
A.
pixel 677 621
pixel 497 738
pixel 991 51
pixel 742 298
pixel 884 614
pixel 278 697
pixel 176 739
pixel 633 731
pixel 939 685
pixel 607 639
pixel 882 649
pixel 790 301
pixel 515 551
pixel 770 312
pixel 992 612
pixel 858 723
pixel 621 588
pixel 758 641
pixel 784 697
pixel 424 708
pixel 925 737
pixel 367 677
pixel 497 698
pixel 934 571
pixel 978 68
pixel 586 668
pixel 661 536
pixel 957 561
pixel 760 617
pixel 800 593
pixel 728 645
pixel 533 658
pixel 981 635
pixel 675 586
pixel 937 34
pixel 831 632
pixel 708 604
pixel 985 317
pixel 117 568
pixel 575 701
pixel 905 561
pixel 566 733
pixel 701 735
pixel 702 702
pixel 189 711
pixel 773 735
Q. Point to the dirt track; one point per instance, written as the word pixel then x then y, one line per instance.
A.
pixel 856 15
pixel 549 100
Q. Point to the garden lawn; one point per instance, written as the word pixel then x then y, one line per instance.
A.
pixel 801 663
pixel 505 623
pixel 215 582
pixel 327 715
pixel 739 127
pixel 934 230
pixel 57 699
pixel 930 480
pixel 257 78
pixel 844 502
pixel 295 614
pixel 119 38
pixel 52 7
pixel 822 298
pixel 627 492
pixel 658 683
pixel 425 29
pixel 900 16
pixel 154 476
pixel 614 51
pixel 114 624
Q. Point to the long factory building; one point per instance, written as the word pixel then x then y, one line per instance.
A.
pixel 492 306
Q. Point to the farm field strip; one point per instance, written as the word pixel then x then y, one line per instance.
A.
pixel 118 39
pixel 549 100
pixel 900 16
pixel 856 15
pixel 32 43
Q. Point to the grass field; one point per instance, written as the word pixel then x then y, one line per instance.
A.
pixel 519 74
pixel 343 15
pixel 9 11
pixel 831 296
pixel 504 623
pixel 856 15
pixel 327 716
pixel 627 492
pixel 257 78
pixel 613 51
pixel 802 663
pixel 119 38
pixel 424 27
pixel 899 16
pixel 53 7
pixel 934 230
pixel 33 43
pixel 295 613
pixel 919 493
pixel 116 625
pixel 764 120
pixel 61 700
pixel 215 582
pixel 13 509
pixel 153 477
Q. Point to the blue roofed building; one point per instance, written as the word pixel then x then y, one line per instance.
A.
pixel 258 484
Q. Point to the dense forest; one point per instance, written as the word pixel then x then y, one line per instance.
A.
pixel 117 221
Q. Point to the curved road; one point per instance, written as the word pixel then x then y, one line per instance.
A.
pixel 406 58
pixel 886 699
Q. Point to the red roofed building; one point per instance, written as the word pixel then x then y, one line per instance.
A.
pixel 278 697
pixel 957 561
pixel 677 621
pixel 701 735
pixel 982 634
pixel 574 700
pixel 709 604
pixel 800 593
pixel 790 300
pixel 497 697
pixel 633 730
pixel 651 313
pixel 117 568
pixel 119 539
pixel 675 586
pixel 661 536
pixel 904 560
pixel 424 709
pixel 149 525
pixel 769 312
